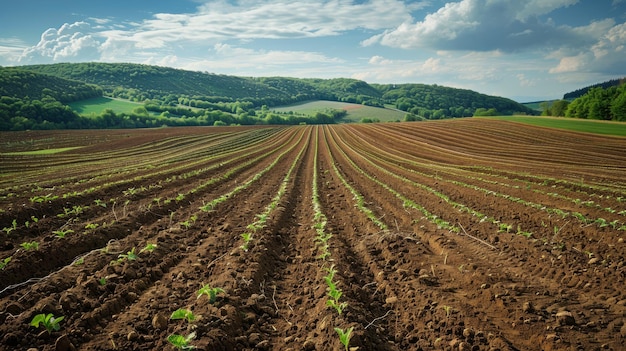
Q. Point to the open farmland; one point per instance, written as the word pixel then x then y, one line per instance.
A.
pixel 469 234
pixel 356 112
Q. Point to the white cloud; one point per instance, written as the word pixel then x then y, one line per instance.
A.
pixel 485 25
pixel 66 43
pixel 11 49
pixel 213 22
pixel 606 56
pixel 218 21
pixel 531 8
pixel 249 62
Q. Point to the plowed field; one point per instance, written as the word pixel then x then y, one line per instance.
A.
pixel 452 235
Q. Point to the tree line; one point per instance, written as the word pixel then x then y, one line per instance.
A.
pixel 35 97
pixel 597 103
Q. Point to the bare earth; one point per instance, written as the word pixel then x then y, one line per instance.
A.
pixel 449 235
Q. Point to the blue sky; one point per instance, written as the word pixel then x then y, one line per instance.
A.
pixel 522 49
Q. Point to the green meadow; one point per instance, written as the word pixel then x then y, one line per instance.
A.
pixel 356 112
pixel 578 125
pixel 99 104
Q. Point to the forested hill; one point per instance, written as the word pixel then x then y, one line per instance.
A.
pixel 440 101
pixel 36 97
pixel 604 85
pixel 156 82
pixel 141 82
pixel 18 83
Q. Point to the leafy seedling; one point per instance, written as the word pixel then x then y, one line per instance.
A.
pixel 13 227
pixel 210 292
pixel 183 313
pixel 345 336
pixel 62 233
pixel 33 245
pixel 247 237
pixel 91 225
pixel 182 342
pixel 48 321
pixel 338 306
pixel 100 203
pixel 149 247
pixel 130 255
pixel 3 263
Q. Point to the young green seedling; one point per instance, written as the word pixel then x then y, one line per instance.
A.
pixel 13 227
pixel 210 292
pixel 247 237
pixel 338 306
pixel 33 245
pixel 48 321
pixel 3 263
pixel 182 342
pixel 183 313
pixel 149 247
pixel 345 336
pixel 100 203
pixel 62 233
pixel 448 310
pixel 130 255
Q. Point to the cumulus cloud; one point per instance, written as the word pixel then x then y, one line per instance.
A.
pixel 63 44
pixel 483 25
pixel 214 22
pixel 606 56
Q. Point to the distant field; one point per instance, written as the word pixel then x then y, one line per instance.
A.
pixel 536 105
pixel 579 125
pixel 356 112
pixel 97 105
pixel 40 152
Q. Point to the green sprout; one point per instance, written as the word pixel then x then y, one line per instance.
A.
pixel 62 233
pixel 210 292
pixel 338 306
pixel 182 342
pixel 4 263
pixel 13 227
pixel 48 321
pixel 247 237
pixel 33 245
pixel 149 247
pixel 183 313
pixel 130 255
pixel 91 225
pixel 100 203
pixel 345 336
pixel 505 227
pixel 448 310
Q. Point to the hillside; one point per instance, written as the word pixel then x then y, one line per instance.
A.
pixel 439 101
pixel 604 85
pixel 157 82
pixel 18 83
pixel 141 82
pixel 36 97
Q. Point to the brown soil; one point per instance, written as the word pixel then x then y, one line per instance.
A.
pixel 452 235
